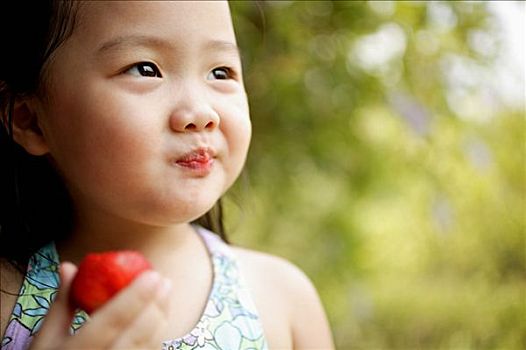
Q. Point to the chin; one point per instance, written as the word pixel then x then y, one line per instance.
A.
pixel 189 212
pixel 202 212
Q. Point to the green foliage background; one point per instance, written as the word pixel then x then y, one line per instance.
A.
pixel 408 216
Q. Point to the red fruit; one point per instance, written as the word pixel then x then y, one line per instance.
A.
pixel 102 275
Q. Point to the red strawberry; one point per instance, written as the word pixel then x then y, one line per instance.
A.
pixel 101 275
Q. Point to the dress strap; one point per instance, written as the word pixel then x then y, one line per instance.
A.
pixel 230 319
pixel 36 295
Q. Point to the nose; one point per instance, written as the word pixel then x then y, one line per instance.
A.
pixel 193 115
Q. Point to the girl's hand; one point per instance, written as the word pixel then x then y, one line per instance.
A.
pixel 134 319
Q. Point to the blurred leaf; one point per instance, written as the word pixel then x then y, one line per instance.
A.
pixel 384 167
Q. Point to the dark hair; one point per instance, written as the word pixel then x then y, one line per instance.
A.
pixel 35 207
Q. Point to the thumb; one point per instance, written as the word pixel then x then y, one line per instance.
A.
pixel 56 324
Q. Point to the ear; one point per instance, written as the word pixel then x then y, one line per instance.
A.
pixel 26 128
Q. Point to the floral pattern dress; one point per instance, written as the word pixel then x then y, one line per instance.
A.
pixel 229 322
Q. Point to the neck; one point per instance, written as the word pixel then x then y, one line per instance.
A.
pixel 153 242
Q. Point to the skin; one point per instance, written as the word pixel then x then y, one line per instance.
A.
pixel 114 132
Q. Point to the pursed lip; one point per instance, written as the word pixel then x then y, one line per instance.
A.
pixel 199 160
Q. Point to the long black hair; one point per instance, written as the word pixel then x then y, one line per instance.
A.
pixel 35 207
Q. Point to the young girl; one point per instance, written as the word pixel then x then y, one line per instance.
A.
pixel 123 125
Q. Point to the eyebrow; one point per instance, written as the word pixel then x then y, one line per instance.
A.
pixel 131 41
pixel 156 42
pixel 222 45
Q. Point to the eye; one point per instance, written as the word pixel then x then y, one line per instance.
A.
pixel 144 69
pixel 221 73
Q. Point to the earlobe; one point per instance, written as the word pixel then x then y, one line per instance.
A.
pixel 26 129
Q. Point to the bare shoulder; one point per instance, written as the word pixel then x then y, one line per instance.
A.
pixel 281 274
pixel 282 287
pixel 271 267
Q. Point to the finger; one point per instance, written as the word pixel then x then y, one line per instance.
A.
pixel 145 332
pixel 110 322
pixel 58 320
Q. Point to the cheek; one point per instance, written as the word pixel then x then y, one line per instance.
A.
pixel 237 132
pixel 106 135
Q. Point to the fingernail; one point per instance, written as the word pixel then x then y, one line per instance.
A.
pixel 150 279
pixel 165 288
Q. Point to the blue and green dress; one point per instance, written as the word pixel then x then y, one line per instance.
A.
pixel 229 321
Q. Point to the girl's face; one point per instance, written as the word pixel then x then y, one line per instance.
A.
pixel 147 117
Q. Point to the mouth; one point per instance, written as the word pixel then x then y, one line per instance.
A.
pixel 197 161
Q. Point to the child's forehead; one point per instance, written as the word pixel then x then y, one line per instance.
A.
pixel 177 21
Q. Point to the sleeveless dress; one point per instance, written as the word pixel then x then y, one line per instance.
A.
pixel 229 321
